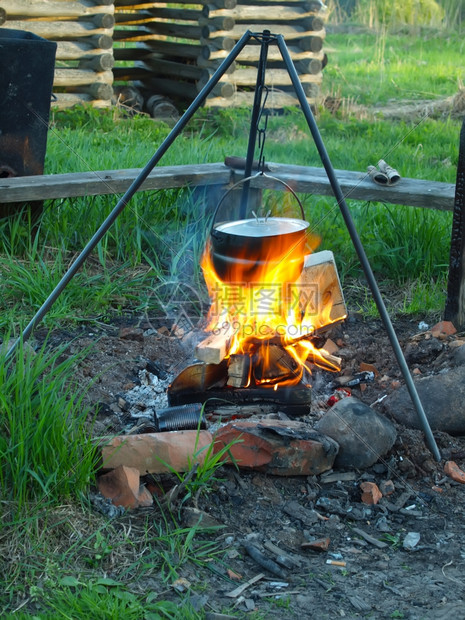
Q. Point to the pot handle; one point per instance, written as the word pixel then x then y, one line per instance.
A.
pixel 268 176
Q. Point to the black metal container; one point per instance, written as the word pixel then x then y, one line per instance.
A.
pixel 243 250
pixel 26 79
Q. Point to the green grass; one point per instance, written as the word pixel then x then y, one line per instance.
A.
pixel 45 449
pixel 378 68
pixel 59 569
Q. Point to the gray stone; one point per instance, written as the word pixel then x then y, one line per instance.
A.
pixel 363 434
pixel 442 397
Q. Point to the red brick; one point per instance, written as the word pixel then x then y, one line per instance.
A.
pixel 370 493
pixel 321 544
pixel 443 328
pixel 156 452
pixel 121 485
pixel 283 448
pixel 452 470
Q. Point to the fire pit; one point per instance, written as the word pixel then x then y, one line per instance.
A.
pixel 271 301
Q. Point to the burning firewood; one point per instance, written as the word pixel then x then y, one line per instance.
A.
pixel 213 349
pixel 239 371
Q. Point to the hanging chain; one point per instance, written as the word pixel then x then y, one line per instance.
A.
pixel 261 131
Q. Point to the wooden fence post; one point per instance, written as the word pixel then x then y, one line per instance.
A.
pixel 455 303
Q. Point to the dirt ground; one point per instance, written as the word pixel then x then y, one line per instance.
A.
pixel 401 558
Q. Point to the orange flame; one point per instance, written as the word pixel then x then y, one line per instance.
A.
pixel 257 315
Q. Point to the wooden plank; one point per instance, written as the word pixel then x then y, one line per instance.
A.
pixel 109 182
pixel 213 349
pixel 304 179
pixel 319 291
pixel 359 186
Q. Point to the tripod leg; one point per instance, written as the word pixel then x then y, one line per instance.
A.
pixel 358 246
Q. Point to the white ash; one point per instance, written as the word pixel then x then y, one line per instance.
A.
pixel 151 395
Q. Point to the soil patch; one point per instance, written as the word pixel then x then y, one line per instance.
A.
pixel 401 558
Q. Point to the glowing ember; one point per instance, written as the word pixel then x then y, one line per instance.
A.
pixel 268 319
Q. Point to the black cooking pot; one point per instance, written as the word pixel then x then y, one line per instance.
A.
pixel 241 249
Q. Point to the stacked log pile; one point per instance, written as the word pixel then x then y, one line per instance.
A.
pixel 172 50
pixel 302 25
pixel 83 31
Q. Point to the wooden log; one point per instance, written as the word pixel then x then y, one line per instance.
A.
pixel 251 53
pixel 223 4
pixel 152 14
pixel 84 48
pixel 239 371
pixel 104 62
pixel 252 14
pixel 319 291
pixel 102 20
pixel 311 43
pixel 134 18
pixel 213 349
pixel 276 100
pixel 309 5
pixel 180 70
pixel 171 48
pixel 53 9
pixel 218 43
pixel 291 33
pixel 128 97
pixel 69 100
pixel 325 360
pixel 184 15
pixel 130 53
pixel 273 77
pixel 139 34
pixel 223 22
pixel 59 31
pixel 131 74
pixel 185 90
pixel 99 91
pixel 455 303
pixel 2 16
pixel 79 77
pixel 161 107
pixel 182 31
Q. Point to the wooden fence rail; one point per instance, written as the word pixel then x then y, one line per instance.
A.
pixel 303 179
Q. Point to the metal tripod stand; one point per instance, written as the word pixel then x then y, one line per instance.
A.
pixel 266 39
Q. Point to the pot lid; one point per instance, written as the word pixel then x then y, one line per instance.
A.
pixel 262 227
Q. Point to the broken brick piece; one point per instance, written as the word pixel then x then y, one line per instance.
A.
pixel 452 470
pixel 443 328
pixel 369 368
pixel 278 447
pixel 122 487
pixel 156 452
pixel 321 544
pixel 370 493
